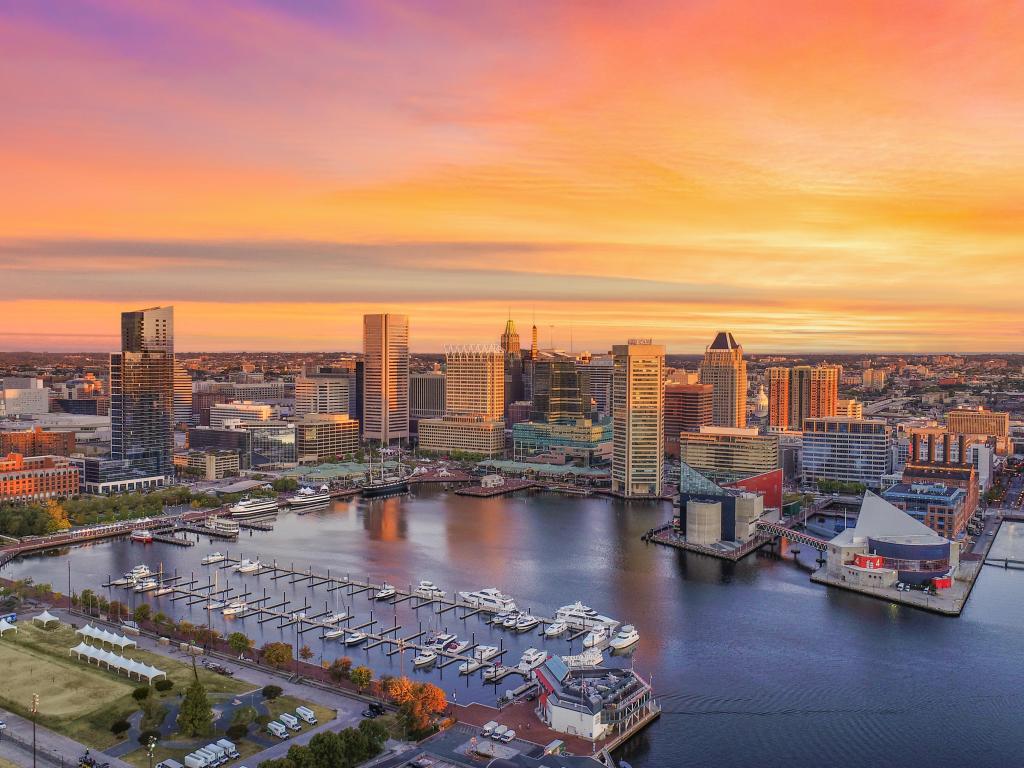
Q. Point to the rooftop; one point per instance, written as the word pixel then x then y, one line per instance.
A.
pixel 880 520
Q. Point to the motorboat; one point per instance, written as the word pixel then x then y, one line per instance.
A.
pixel 486 652
pixel 496 673
pixel 557 628
pixel 355 638
pixel 249 507
pixel 164 590
pixel 627 636
pixel 532 658
pixel 439 641
pixel 385 592
pixel 424 659
pixel 215 605
pixel 214 557
pixel 307 497
pixel 139 572
pixel 526 622
pixel 147 585
pixel 511 621
pixel 334 618
pixel 235 608
pixel 429 591
pixel 490 599
pixel 580 616
pixel 142 535
pixel 248 566
pixel 455 647
pixel 333 633
pixel 595 637
pixel 469 667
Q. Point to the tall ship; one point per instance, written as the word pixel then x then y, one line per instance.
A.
pixel 307 497
pixel 249 507
pixel 385 484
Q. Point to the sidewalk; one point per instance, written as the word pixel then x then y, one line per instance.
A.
pixel 51 747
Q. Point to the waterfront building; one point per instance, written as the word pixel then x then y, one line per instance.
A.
pixel 468 434
pixel 941 507
pixel 846 450
pixel 474 382
pixel 273 443
pixel 142 393
pixel 385 378
pixel 321 394
pixel 583 440
pixel 22 396
pixel 727 454
pixel 638 417
pixel 229 437
pixel 887 546
pixel 37 441
pixel 597 373
pixel 208 465
pixel 36 478
pixel 688 407
pixel 725 369
pixel 323 437
pixel 936 457
pixel 244 411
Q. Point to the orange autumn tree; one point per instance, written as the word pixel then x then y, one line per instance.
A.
pixel 418 704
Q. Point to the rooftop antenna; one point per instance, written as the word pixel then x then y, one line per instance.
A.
pixel 551 337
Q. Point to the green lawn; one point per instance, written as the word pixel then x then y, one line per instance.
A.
pixel 288 704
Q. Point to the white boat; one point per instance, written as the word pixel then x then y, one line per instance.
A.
pixel 385 592
pixel 469 667
pixel 580 616
pixel 139 572
pixel 215 605
pixel 143 535
pixel 424 659
pixel 494 673
pixel 307 497
pixel 213 557
pixel 248 507
pixel 164 590
pixel 355 638
pixel 627 636
pixel 455 647
pixel 511 621
pixel 556 629
pixel 485 652
pixel 333 633
pixel 235 608
pixel 224 525
pixel 532 658
pixel 428 590
pixel 147 585
pixel 334 618
pixel 490 599
pixel 595 637
pixel 439 641
pixel 526 622
pixel 248 566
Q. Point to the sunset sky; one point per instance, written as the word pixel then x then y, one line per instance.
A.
pixel 838 175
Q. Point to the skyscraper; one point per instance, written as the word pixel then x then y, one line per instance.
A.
pixel 182 395
pixel 321 394
pixel 510 340
pixel 726 370
pixel 513 354
pixel 798 393
pixel 474 382
pixel 557 393
pixel 688 407
pixel 638 417
pixel 142 393
pixel 778 398
pixel 385 377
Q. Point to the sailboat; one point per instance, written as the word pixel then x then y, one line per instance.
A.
pixel 386 485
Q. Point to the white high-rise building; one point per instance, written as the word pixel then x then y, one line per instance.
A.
pixel 638 414
pixel 321 394
pixel 385 377
pixel 474 381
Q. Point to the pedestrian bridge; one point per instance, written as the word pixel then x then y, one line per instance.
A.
pixel 767 528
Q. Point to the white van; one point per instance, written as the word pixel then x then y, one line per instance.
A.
pixel 489 728
pixel 228 747
pixel 196 761
pixel 306 714
pixel 498 732
pixel 277 729
pixel 212 758
pixel 291 721
pixel 219 754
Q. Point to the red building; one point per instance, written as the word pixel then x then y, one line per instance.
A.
pixel 36 478
pixel 36 442
pixel 688 407
pixel 768 484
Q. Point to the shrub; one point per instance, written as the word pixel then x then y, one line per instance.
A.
pixel 148 734
pixel 120 727
pixel 140 693
pixel 163 685
pixel 272 691
pixel 262 720
pixel 237 731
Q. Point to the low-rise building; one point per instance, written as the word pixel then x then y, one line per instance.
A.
pixel 325 437
pixel 584 439
pixel 36 478
pixel 729 453
pixel 941 507
pixel 37 441
pixel 209 465
pixel 474 435
pixel 242 410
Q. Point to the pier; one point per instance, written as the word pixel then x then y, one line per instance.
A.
pixel 510 486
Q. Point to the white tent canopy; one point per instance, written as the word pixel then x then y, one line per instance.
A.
pixel 114 661
pixel 45 617
pixel 6 625
pixel 104 636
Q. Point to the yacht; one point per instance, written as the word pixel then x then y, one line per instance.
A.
pixel 249 507
pixel 215 605
pixel 235 608
pixel 428 590
pixel 494 673
pixel 469 667
pixel 595 637
pixel 511 621
pixel 627 636
pixel 532 658
pixel 142 535
pixel 485 652
pixel 334 618
pixel 333 633
pixel 526 622
pixel 307 497
pixel 556 629
pixel 213 557
pixel 455 647
pixel 147 585
pixel 580 616
pixel 385 592
pixel 248 566
pixel 138 572
pixel 439 641
pixel 424 659
pixel 489 599
pixel 355 638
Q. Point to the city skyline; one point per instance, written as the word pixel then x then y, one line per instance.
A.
pixel 837 177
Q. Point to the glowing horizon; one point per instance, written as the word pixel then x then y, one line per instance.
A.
pixel 839 177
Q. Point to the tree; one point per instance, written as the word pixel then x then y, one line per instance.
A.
pixel 196 716
pixel 142 612
pixel 362 677
pixel 305 653
pixel 399 690
pixel 239 642
pixel 340 668
pixel 278 655
pixel 417 713
pixel 272 691
pixel 57 517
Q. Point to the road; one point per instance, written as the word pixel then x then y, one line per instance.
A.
pixel 51 747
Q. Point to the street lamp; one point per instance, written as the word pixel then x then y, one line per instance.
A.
pixel 150 747
pixel 35 709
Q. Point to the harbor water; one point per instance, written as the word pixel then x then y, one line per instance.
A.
pixel 751 662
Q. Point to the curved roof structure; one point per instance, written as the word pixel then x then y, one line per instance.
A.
pixel 880 520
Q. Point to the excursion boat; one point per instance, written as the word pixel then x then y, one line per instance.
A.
pixel 385 592
pixel 627 636
pixel 595 637
pixel 424 659
pixel 490 599
pixel 235 608
pixel 333 633
pixel 249 507
pixel 307 497
pixel 556 629
pixel 213 557
pixel 428 590
pixel 580 616
pixel 147 585
pixel 526 622
pixel 469 667
pixel 532 658
pixel 248 566
pixel 142 535
pixel 224 526
pixel 355 638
